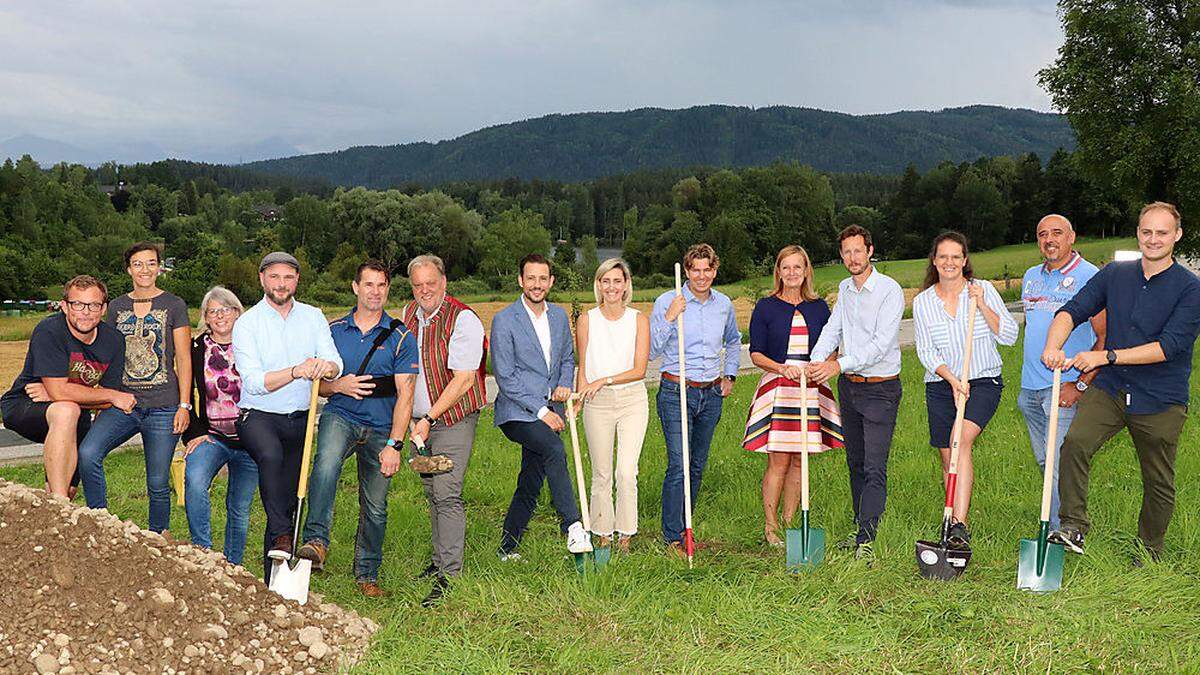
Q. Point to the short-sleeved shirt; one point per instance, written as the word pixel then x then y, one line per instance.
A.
pixel 464 352
pixel 1165 309
pixel 397 355
pixel 150 348
pixel 55 352
pixel 771 325
pixel 1043 292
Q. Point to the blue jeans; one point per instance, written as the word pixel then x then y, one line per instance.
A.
pixel 1034 404
pixel 704 411
pixel 337 439
pixel 111 428
pixel 202 466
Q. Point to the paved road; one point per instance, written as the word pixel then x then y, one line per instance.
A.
pixel 16 450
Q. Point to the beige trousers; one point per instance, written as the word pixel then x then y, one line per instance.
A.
pixel 620 416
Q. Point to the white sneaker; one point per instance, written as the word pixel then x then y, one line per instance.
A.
pixel 578 540
pixel 510 557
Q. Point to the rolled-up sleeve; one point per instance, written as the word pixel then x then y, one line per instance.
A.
pixel 1090 299
pixel 927 352
pixel 326 349
pixel 1180 331
pixel 246 356
pixel 1009 331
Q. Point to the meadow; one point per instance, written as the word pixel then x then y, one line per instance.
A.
pixel 740 610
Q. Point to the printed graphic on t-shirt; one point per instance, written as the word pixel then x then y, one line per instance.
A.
pixel 144 348
pixel 1039 295
pixel 82 370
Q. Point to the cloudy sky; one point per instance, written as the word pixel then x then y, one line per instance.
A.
pixel 191 77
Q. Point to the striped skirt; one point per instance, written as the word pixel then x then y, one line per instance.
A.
pixel 774 423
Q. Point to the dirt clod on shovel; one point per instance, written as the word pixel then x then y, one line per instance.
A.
pixel 85 592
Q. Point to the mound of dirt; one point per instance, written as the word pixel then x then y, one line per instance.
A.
pixel 82 591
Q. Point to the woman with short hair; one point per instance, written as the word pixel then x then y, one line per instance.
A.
pixel 940 318
pixel 211 439
pixel 783 329
pixel 613 344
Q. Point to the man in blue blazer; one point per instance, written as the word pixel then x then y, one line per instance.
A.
pixel 533 359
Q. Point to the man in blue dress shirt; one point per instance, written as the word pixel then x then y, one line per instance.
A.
pixel 367 415
pixel 709 325
pixel 860 345
pixel 1152 310
pixel 280 346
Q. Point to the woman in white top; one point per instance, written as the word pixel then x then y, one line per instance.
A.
pixel 940 318
pixel 613 344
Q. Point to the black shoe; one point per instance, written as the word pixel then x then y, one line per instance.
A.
pixel 959 537
pixel 428 571
pixel 1070 538
pixel 849 543
pixel 440 584
pixel 1143 556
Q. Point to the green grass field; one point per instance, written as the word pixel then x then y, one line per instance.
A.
pixel 739 610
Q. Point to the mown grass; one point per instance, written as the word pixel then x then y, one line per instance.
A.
pixel 740 610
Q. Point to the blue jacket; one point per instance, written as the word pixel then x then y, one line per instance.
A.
pixel 520 368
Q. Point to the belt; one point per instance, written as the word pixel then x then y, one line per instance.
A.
pixel 671 377
pixel 859 379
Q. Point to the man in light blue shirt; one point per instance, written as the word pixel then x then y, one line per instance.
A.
pixel 279 346
pixel 861 343
pixel 1044 290
pixel 709 324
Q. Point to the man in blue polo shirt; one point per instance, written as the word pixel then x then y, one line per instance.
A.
pixel 1153 318
pixel 368 413
pixel 1044 290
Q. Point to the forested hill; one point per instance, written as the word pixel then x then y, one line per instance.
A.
pixel 590 145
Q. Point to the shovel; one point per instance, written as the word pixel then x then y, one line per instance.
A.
pixel 689 539
pixel 599 557
pixel 805 546
pixel 1040 566
pixel 290 574
pixel 937 560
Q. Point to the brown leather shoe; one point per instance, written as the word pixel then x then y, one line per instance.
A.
pixel 623 543
pixel 675 550
pixel 281 548
pixel 315 551
pixel 371 589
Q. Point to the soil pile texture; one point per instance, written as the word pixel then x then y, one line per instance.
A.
pixel 82 591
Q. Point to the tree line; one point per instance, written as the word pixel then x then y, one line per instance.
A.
pixel 57 222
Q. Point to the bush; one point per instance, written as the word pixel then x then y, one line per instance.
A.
pixel 653 280
pixel 467 287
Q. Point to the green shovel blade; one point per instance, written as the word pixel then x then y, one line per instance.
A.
pixel 1049 578
pixel 802 554
pixel 601 556
pixel 583 561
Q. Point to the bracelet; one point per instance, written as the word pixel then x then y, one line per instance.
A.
pixel 292 372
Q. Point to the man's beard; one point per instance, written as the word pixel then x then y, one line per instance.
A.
pixel 287 298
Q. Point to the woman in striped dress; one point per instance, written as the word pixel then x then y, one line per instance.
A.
pixel 783 327
pixel 940 318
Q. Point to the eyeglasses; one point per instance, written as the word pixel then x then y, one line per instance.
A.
pixel 79 306
pixel 220 311
pixel 139 265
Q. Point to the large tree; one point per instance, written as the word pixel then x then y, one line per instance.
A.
pixel 1128 79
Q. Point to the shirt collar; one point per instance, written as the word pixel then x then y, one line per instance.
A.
pixel 532 316
pixel 868 285
pixel 426 318
pixel 384 321
pixel 691 297
pixel 1069 267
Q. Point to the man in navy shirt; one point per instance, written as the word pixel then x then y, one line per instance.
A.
pixel 1153 319
pixel 368 413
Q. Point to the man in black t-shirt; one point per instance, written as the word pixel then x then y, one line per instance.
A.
pixel 73 365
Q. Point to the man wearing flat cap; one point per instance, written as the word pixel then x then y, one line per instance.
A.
pixel 280 346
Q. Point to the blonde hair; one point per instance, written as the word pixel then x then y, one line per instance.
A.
pixel 806 289
pixel 608 266
pixel 1164 206
pixel 222 295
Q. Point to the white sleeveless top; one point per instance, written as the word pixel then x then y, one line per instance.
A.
pixel 611 345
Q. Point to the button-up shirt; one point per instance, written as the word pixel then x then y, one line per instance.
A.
pixel 707 327
pixel 942 339
pixel 264 341
pixel 1043 292
pixel 865 327
pixel 396 356
pixel 1165 309
pixel 464 352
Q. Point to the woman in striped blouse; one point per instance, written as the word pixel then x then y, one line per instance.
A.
pixel 783 329
pixel 940 317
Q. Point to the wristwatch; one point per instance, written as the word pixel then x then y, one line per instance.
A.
pixel 429 419
pixel 391 443
pixel 1112 357
pixel 1081 386
pixel 186 406
pixel 608 381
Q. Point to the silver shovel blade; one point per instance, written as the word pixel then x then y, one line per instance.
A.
pixel 290 579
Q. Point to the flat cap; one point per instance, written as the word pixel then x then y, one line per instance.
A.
pixel 275 257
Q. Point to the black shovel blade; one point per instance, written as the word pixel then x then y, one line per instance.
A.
pixel 936 561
